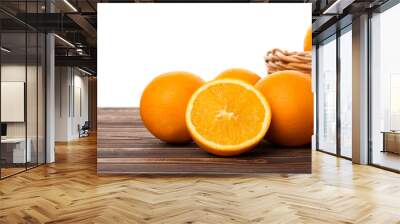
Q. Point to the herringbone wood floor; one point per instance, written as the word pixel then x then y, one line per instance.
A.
pixel 70 191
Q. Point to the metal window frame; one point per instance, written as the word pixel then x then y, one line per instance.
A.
pixel 333 37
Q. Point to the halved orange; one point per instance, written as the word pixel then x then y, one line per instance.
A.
pixel 227 117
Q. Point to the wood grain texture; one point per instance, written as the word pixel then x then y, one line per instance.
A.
pixel 125 146
pixel 92 103
pixel 70 191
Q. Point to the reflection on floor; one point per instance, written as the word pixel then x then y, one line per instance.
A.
pixel 70 191
pixel 387 159
pixel 10 169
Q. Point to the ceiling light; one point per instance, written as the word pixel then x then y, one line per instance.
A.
pixel 84 71
pixel 338 6
pixel 5 50
pixel 65 41
pixel 70 5
pixel 331 8
pixel 79 51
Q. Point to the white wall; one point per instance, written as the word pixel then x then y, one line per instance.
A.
pixel 137 42
pixel 79 117
pixel 62 82
pixel 69 81
pixel 14 72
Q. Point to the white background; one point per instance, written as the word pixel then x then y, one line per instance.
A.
pixel 137 42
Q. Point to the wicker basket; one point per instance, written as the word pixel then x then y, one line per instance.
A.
pixel 280 60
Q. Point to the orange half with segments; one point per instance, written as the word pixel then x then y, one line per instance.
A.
pixel 227 117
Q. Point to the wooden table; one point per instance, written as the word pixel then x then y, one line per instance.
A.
pixel 391 141
pixel 125 146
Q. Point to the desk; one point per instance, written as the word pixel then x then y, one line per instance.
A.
pixel 16 148
pixel 391 141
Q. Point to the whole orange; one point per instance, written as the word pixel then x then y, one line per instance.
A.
pixel 163 105
pixel 291 100
pixel 240 74
pixel 308 40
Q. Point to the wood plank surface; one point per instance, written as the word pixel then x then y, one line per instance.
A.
pixel 125 146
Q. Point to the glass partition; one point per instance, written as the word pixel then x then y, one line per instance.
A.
pixel 346 93
pixel 41 97
pixel 385 89
pixel 327 95
pixel 23 89
pixel 31 99
pixel 14 155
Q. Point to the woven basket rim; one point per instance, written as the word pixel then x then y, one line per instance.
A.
pixel 280 60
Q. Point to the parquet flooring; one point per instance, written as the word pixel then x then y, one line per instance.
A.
pixel 70 191
pixel 10 171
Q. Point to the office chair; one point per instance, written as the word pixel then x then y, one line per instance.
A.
pixel 84 130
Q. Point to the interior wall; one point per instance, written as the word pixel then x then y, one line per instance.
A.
pixel 62 81
pixel 71 102
pixel 15 72
pixel 80 109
